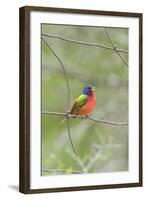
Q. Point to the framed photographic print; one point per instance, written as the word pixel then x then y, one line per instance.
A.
pixel 80 99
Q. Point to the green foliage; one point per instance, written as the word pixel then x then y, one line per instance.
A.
pixel 108 144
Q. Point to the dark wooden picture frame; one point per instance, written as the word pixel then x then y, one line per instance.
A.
pixel 24 90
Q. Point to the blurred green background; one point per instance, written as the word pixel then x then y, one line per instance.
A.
pixel 101 147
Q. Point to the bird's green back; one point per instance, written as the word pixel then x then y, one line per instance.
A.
pixel 79 102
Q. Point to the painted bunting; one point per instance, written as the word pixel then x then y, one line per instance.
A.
pixel 85 103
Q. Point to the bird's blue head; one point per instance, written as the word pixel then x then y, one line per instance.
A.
pixel 88 90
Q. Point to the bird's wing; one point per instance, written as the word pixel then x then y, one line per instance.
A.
pixel 79 103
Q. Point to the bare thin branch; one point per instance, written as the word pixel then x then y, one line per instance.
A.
pixel 83 42
pixel 54 113
pixel 107 122
pixel 68 115
pixel 64 71
pixel 114 47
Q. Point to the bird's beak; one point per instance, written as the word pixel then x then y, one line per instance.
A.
pixel 93 88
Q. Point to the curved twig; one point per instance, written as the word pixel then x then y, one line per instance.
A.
pixel 64 71
pixel 68 128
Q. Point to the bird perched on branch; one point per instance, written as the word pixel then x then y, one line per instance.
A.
pixel 85 103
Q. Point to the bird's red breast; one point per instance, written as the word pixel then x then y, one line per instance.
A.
pixel 89 106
